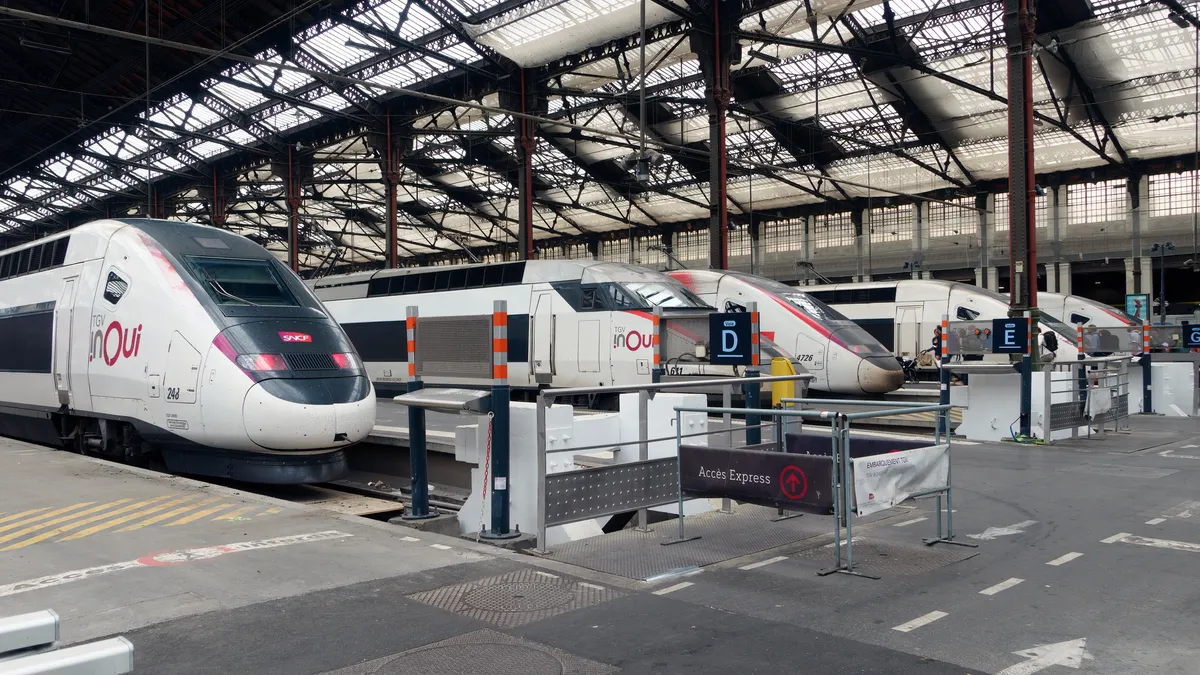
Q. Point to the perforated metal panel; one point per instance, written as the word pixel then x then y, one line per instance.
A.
pixel 455 347
pixel 1066 415
pixel 589 493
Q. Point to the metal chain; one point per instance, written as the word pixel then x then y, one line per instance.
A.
pixel 487 463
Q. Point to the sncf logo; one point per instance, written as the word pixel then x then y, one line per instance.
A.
pixel 287 336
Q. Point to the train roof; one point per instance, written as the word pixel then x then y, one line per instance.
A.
pixel 525 271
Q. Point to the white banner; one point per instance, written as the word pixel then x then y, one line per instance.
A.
pixel 883 481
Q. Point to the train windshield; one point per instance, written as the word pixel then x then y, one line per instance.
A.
pixel 1052 322
pixel 239 281
pixel 841 328
pixel 667 295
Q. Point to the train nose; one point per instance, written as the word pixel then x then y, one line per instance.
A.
pixel 880 375
pixel 276 418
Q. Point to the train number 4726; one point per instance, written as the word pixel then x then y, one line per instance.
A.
pixel 802 358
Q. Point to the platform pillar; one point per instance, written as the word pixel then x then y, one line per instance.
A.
pixel 751 390
pixel 1147 372
pixel 418 507
pixel 500 426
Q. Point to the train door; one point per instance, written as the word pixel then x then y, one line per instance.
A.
pixel 64 313
pixel 810 353
pixel 908 330
pixel 543 337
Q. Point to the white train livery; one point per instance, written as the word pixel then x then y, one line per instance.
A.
pixel 131 337
pixel 841 356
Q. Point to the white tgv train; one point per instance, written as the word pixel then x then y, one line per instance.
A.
pixel 902 314
pixel 571 323
pixel 841 356
pixel 125 337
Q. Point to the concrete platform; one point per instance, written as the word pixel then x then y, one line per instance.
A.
pixel 1085 559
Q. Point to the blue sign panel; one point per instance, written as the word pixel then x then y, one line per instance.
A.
pixel 1191 335
pixel 729 338
pixel 1010 336
pixel 1138 304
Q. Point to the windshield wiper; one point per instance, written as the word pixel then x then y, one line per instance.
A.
pixel 221 290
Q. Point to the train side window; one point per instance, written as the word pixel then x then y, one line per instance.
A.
pixel 881 294
pixel 425 282
pixel 5 264
pixel 474 277
pixel 442 281
pixel 23 262
pixel 60 252
pixel 513 273
pixel 493 276
pixel 377 287
pixel 1079 318
pixel 410 283
pixel 964 314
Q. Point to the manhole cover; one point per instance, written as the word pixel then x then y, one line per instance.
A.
pixel 518 597
pixel 494 659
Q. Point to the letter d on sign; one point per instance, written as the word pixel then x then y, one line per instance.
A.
pixel 729 341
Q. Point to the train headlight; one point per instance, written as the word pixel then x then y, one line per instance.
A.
pixel 347 361
pixel 261 362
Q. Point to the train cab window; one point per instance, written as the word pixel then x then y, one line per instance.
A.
pixel 236 281
pixel 588 300
pixel 964 314
pixel 623 299
pixel 664 295
pixel 1079 318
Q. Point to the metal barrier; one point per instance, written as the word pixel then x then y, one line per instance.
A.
pixel 29 645
pixel 1096 393
pixel 573 496
pixel 845 477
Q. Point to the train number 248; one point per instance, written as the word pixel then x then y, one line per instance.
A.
pixel 172 393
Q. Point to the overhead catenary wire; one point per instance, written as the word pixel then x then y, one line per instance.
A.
pixel 281 65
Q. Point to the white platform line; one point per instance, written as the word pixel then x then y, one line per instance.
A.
pixel 1115 538
pixel 909 522
pixel 763 563
pixel 409 539
pixel 546 574
pixel 920 621
pixel 671 589
pixel 1002 586
pixel 440 547
pixel 592 586
pixel 1064 559
pixel 1155 521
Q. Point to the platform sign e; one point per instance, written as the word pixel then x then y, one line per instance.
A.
pixel 1191 335
pixel 1010 336
pixel 729 338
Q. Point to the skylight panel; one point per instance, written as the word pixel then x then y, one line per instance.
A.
pixel 330 46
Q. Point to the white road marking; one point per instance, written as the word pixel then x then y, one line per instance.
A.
pixel 1182 510
pixel 409 539
pixel 177 557
pixel 1064 559
pixel 671 589
pixel 592 586
pixel 993 532
pixel 1155 521
pixel 1002 586
pixel 909 522
pixel 763 563
pixel 1161 543
pixel 1069 654
pixel 920 621
pixel 1120 536
pixel 1179 411
pixel 1171 454
pixel 440 547
pixel 546 574
pixel 1189 447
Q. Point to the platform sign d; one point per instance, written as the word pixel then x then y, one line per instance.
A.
pixel 729 338
pixel 1191 335
pixel 1010 336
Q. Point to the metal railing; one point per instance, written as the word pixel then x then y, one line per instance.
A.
pixel 1097 393
pixel 644 473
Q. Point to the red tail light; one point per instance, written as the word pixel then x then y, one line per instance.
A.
pixel 346 361
pixel 259 362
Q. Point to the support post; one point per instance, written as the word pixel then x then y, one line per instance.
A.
pixel 713 45
pixel 1019 33
pixel 727 420
pixel 656 345
pixel 391 178
pixel 751 390
pixel 293 204
pixel 500 425
pixel 540 422
pixel 1147 390
pixel 943 418
pixel 1082 369
pixel 418 508
pixel 1027 382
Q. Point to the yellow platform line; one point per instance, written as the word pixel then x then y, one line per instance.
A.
pixel 235 513
pixel 169 514
pixel 79 523
pixel 125 519
pixel 51 514
pixel 198 515
pixel 22 514
pixel 271 511
pixel 35 527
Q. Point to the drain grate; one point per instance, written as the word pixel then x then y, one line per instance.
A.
pixel 886 558
pixel 516 598
pixel 482 651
